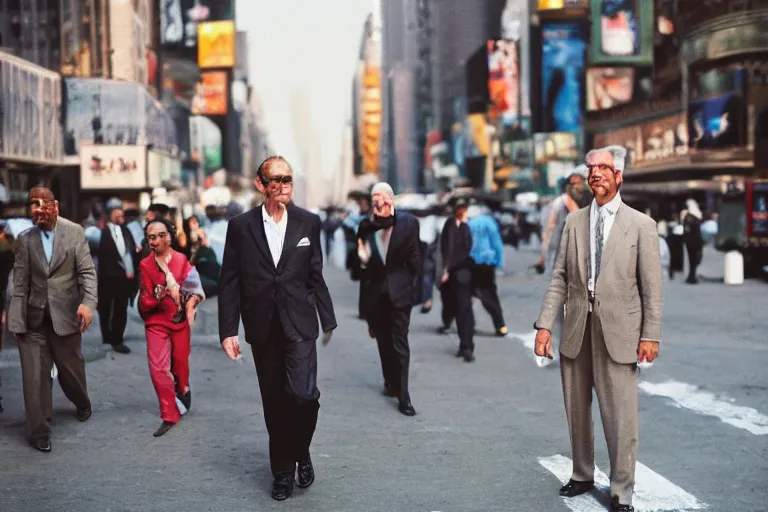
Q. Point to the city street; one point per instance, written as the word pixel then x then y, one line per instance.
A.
pixel 489 436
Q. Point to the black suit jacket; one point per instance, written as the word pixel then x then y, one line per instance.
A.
pixel 110 260
pixel 400 272
pixel 252 288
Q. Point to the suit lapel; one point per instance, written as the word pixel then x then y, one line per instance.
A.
pixel 618 232
pixel 38 250
pixel 398 230
pixel 256 225
pixel 59 247
pixel 582 243
pixel 292 237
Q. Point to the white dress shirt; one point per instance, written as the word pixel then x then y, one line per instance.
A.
pixel 608 212
pixel 275 232
pixel 382 237
pixel 126 259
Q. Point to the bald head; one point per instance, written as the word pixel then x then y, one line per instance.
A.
pixel 43 193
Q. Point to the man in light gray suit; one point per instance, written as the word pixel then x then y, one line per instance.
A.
pixel 608 275
pixel 54 295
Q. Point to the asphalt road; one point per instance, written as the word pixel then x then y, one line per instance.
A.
pixel 489 436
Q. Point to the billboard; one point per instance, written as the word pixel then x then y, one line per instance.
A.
pixel 563 54
pixel 210 97
pixel 549 147
pixel 216 44
pixel 479 138
pixel 553 5
pixel 622 32
pixel 162 168
pixel 113 167
pixel 717 109
pixel 503 80
pixel 103 111
pixel 371 117
pixel 205 142
pixel 179 19
pixel 609 87
pixel 30 105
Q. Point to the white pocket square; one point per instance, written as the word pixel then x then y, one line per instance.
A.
pixel 303 242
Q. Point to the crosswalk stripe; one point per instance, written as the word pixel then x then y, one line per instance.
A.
pixel 691 397
pixel 653 492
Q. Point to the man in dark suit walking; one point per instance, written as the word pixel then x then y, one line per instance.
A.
pixel 54 295
pixel 388 247
pixel 272 278
pixel 117 268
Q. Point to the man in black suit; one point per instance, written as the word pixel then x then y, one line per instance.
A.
pixel 272 278
pixel 456 280
pixel 117 274
pixel 388 247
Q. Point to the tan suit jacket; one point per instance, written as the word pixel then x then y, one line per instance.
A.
pixel 61 286
pixel 628 292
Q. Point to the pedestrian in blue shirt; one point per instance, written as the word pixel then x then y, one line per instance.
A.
pixel 488 255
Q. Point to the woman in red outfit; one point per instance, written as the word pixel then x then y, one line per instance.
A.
pixel 170 290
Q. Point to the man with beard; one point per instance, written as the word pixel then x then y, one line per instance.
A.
pixel 388 247
pixel 577 195
pixel 54 295
pixel 608 275
pixel 272 278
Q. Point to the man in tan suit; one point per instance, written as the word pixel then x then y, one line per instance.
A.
pixel 608 275
pixel 54 295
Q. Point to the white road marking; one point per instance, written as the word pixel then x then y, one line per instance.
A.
pixel 707 404
pixel 653 492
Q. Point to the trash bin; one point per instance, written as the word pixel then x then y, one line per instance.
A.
pixel 734 267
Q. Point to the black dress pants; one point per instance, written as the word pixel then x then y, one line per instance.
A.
pixel 390 328
pixel 460 286
pixel 113 308
pixel 484 282
pixel 287 372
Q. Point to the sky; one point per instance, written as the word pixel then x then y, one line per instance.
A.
pixel 304 47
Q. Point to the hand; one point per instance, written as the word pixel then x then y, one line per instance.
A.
pixel 543 346
pixel 444 277
pixel 191 311
pixel 84 316
pixel 3 318
pixel 647 351
pixel 327 337
pixel 175 293
pixel 129 276
pixel 370 333
pixel 231 347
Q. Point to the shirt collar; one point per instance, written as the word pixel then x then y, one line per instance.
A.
pixel 611 206
pixel 270 220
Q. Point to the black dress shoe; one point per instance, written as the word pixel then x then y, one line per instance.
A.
pixel 618 507
pixel 163 428
pixel 43 445
pixel 468 356
pixel 84 414
pixel 306 473
pixel 282 487
pixel 121 349
pixel 575 488
pixel 406 408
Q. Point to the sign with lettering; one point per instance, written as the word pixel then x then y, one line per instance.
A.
pixel 658 143
pixel 113 167
pixel 30 106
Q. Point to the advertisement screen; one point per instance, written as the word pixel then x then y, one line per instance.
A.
pixel 210 97
pixel 503 80
pixel 759 214
pixel 216 45
pixel 371 114
pixel 555 146
pixel 179 19
pixel 717 109
pixel 550 5
pixel 622 32
pixel 609 87
pixel 479 140
pixel 563 49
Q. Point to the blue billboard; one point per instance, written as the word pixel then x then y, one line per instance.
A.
pixel 563 51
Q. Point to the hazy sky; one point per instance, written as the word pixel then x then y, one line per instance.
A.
pixel 309 46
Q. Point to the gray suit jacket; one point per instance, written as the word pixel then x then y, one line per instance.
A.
pixel 628 292
pixel 69 280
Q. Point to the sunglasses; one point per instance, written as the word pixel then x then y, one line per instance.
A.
pixel 281 179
